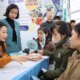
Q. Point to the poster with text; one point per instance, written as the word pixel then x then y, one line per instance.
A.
pixel 32 12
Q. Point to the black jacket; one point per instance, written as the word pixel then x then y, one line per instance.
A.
pixel 60 57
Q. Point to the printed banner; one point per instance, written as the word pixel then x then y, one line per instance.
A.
pixel 32 12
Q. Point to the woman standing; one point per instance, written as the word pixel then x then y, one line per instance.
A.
pixel 13 41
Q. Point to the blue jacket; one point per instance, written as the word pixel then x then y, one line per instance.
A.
pixel 12 46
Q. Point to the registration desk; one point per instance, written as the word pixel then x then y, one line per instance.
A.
pixel 16 71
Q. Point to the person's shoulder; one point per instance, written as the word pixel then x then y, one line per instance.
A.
pixel 2 20
pixel 68 51
pixel 43 24
pixel 53 23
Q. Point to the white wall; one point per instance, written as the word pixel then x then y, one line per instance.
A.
pixel 75 10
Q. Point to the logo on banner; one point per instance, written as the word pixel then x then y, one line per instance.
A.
pixel 31 4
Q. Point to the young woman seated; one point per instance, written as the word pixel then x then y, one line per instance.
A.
pixel 4 58
pixel 72 71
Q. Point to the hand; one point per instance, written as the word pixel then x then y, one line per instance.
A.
pixel 40 51
pixel 31 52
pixel 19 58
pixel 35 57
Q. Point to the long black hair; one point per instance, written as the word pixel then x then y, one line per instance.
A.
pixel 63 28
pixel 2 44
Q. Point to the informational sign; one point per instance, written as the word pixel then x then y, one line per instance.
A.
pixel 31 4
pixel 32 12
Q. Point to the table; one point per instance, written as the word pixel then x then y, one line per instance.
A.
pixel 17 71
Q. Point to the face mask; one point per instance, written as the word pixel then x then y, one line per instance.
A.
pixel 55 40
pixel 67 43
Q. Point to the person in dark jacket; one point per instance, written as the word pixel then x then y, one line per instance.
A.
pixel 60 54
pixel 49 22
